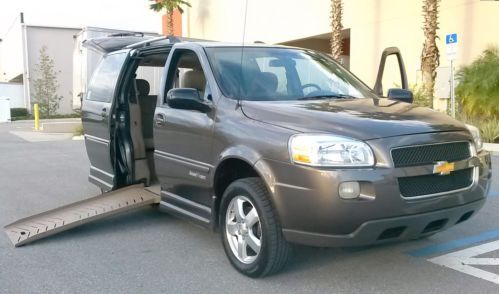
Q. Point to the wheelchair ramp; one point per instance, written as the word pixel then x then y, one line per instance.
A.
pixel 51 222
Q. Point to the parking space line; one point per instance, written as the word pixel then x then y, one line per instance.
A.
pixel 493 194
pixel 455 244
pixel 463 261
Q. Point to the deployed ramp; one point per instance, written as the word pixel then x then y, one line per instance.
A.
pixel 51 222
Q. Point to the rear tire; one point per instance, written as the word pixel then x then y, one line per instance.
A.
pixel 251 234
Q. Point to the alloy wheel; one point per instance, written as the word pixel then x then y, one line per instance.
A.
pixel 243 229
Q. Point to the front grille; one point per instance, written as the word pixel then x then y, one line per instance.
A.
pixel 435 183
pixel 429 154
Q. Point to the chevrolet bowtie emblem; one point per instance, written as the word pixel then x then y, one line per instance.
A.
pixel 443 168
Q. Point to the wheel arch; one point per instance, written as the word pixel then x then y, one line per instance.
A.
pixel 234 166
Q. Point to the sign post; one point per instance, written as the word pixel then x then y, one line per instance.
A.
pixel 451 44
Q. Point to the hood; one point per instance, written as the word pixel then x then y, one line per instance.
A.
pixel 362 119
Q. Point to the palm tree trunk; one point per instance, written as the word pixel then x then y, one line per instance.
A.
pixel 169 25
pixel 336 40
pixel 430 57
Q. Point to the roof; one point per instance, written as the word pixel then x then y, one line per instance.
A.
pixel 111 31
pixel 246 45
pixel 139 40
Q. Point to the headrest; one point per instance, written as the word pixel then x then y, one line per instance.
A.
pixel 193 79
pixel 142 87
pixel 263 85
pixel 270 80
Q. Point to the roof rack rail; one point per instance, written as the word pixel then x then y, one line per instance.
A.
pixel 170 39
pixel 146 43
pixel 127 34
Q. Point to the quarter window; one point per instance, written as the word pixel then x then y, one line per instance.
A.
pixel 104 79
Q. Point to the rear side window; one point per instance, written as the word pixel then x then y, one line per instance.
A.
pixel 105 77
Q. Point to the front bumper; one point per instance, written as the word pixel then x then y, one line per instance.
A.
pixel 390 229
pixel 311 212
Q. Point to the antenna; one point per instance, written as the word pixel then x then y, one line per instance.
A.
pixel 242 53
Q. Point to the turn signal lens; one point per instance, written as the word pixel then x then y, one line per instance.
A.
pixel 330 150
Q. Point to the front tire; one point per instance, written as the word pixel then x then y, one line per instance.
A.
pixel 251 234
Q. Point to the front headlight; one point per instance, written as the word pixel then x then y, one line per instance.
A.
pixel 330 150
pixel 475 132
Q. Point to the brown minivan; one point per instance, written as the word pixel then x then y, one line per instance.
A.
pixel 274 145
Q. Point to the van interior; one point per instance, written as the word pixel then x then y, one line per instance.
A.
pixel 134 136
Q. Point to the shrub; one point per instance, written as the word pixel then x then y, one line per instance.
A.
pixel 489 127
pixel 489 130
pixel 19 112
pixel 70 115
pixel 420 98
pixel 478 89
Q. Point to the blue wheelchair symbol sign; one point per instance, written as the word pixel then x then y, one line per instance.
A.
pixel 451 39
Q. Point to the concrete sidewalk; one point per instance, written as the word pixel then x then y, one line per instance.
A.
pixel 62 125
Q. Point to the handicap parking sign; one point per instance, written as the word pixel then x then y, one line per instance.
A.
pixel 451 44
pixel 451 39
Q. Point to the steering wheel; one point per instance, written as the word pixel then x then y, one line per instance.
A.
pixel 311 85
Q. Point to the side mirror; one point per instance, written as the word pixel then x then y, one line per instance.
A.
pixel 400 95
pixel 378 86
pixel 185 98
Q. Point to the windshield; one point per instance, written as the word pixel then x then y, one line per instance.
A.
pixel 270 74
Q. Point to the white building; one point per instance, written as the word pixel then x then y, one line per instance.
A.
pixel 74 64
pixel 20 54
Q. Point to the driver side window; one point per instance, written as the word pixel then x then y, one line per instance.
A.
pixel 187 73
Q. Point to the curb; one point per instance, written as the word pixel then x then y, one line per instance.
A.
pixel 492 147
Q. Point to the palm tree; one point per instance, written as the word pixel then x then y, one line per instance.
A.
pixel 170 6
pixel 430 57
pixel 336 16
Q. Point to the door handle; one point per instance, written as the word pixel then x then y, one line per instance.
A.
pixel 104 112
pixel 160 119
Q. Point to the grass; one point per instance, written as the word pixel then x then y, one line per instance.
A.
pixel 79 131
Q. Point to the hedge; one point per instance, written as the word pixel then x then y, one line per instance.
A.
pixel 19 112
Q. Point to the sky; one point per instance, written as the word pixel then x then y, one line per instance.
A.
pixel 124 14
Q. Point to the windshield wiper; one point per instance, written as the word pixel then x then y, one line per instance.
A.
pixel 328 96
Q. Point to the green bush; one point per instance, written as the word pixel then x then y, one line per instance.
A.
pixel 22 114
pixel 489 130
pixel 478 88
pixel 489 127
pixel 420 99
pixel 21 118
pixel 70 115
pixel 18 112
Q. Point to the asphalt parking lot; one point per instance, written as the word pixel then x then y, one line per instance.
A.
pixel 148 251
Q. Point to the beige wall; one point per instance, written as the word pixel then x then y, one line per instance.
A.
pixel 59 42
pixel 271 21
pixel 374 25
pixel 398 23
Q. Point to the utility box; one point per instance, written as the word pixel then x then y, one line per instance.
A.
pixel 4 109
